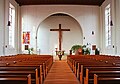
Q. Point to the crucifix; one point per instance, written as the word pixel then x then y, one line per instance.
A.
pixel 60 35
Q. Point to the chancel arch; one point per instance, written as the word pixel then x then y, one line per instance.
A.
pixel 47 41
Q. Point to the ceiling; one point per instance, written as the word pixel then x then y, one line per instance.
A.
pixel 60 2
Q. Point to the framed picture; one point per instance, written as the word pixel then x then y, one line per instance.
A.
pixel 26 37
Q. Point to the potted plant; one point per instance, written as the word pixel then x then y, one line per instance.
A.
pixel 75 48
pixel 80 49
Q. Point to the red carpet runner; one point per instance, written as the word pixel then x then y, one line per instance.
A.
pixel 60 73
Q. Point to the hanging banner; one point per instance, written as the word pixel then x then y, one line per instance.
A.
pixel 26 37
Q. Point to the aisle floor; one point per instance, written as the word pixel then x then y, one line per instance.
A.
pixel 61 73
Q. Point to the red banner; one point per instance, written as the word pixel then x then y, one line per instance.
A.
pixel 26 37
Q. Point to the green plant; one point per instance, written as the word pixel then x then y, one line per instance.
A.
pixel 30 51
pixel 85 51
pixel 75 47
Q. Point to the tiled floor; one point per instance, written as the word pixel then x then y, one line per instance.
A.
pixel 60 73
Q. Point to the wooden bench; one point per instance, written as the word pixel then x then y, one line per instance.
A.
pixel 111 79
pixel 32 64
pixel 36 76
pixel 80 63
pixel 47 60
pixel 102 71
pixel 36 66
pixel 81 71
pixel 15 79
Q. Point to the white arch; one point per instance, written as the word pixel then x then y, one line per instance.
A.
pixel 49 16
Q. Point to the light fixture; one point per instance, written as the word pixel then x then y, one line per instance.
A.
pixel 84 38
pixel 111 23
pixel 92 32
pixel 8 23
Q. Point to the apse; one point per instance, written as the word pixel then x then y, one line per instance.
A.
pixel 48 41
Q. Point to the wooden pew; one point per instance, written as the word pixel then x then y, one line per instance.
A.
pixel 22 71
pixel 82 69
pixel 28 62
pixel 80 63
pixel 102 71
pixel 111 79
pixel 46 59
pixel 15 79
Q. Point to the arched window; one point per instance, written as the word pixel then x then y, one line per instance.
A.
pixel 11 24
pixel 108 32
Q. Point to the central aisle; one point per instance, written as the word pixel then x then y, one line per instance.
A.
pixel 60 73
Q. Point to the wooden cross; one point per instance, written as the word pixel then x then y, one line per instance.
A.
pixel 60 35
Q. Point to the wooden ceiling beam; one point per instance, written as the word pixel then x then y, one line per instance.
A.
pixel 60 2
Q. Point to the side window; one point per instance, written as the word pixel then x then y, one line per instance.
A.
pixel 108 32
pixel 11 25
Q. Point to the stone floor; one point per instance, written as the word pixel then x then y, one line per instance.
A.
pixel 61 73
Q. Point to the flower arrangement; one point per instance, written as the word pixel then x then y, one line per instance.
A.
pixel 60 52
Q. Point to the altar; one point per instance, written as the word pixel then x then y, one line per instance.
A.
pixel 60 54
pixel 56 58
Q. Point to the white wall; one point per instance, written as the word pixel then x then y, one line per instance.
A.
pixel 2 3
pixel 87 17
pixel 117 6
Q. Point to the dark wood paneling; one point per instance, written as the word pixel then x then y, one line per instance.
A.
pixel 60 2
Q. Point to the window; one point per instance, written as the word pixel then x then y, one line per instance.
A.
pixel 108 36
pixel 11 25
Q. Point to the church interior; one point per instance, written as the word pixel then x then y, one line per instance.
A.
pixel 59 41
